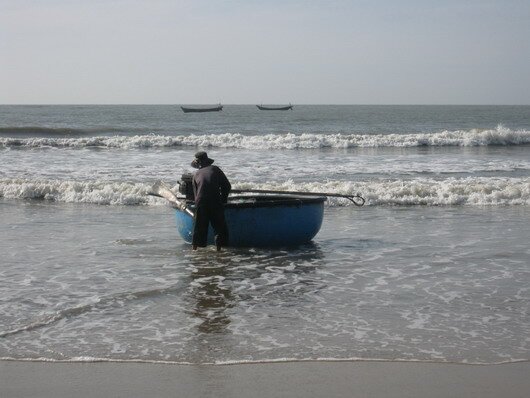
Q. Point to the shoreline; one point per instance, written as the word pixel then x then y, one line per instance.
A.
pixel 273 379
pixel 88 360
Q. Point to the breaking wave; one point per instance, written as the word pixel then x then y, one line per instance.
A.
pixel 474 137
pixel 477 191
pixel 95 192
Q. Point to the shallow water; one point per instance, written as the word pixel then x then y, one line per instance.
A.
pixel 434 267
pixel 412 283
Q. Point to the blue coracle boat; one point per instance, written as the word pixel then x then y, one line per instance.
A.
pixel 286 218
pixel 264 220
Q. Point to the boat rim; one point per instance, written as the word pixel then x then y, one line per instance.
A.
pixel 261 201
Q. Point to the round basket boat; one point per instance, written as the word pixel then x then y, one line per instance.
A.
pixel 264 220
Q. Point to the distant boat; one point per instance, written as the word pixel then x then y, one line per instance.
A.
pixel 275 108
pixel 189 110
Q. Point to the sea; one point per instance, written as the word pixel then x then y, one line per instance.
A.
pixel 435 266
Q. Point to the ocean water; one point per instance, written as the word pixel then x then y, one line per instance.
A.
pixel 435 266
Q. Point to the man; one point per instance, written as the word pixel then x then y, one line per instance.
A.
pixel 211 189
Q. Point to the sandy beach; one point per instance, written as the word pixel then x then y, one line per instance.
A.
pixel 302 379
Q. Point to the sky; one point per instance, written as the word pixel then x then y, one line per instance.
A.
pixel 269 51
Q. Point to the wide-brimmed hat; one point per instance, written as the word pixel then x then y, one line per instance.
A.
pixel 201 160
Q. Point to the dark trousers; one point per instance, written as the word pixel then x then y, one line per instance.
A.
pixel 205 215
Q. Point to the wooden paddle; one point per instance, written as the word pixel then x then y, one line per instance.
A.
pixel 162 190
pixel 357 200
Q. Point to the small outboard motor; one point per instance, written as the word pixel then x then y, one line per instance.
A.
pixel 186 187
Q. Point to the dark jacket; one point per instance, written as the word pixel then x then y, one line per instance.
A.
pixel 210 186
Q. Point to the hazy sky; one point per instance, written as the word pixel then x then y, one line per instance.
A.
pixel 267 51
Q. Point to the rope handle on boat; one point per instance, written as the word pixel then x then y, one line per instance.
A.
pixel 357 199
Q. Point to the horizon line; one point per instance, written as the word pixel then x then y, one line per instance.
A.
pixel 252 104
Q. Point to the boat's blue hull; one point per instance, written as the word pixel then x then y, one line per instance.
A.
pixel 262 221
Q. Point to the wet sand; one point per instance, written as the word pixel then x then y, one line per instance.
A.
pixel 301 379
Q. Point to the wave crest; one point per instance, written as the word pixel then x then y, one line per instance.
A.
pixel 474 137
pixel 478 191
pixel 95 192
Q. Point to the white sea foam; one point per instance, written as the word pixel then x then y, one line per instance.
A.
pixel 473 137
pixel 419 191
pixel 97 192
pixel 89 359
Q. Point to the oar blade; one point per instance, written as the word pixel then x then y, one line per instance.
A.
pixel 162 190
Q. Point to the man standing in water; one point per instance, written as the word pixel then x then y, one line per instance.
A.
pixel 211 189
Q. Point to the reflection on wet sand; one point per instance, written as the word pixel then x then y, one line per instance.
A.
pixel 215 275
pixel 212 298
